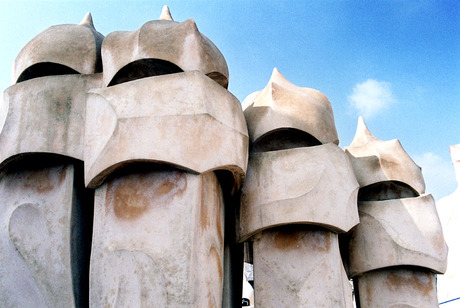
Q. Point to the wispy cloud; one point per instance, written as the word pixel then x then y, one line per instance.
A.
pixel 371 97
pixel 438 173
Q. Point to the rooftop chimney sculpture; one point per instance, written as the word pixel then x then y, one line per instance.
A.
pixel 300 191
pixel 123 182
pixel 398 246
pixel 46 212
pixel 170 129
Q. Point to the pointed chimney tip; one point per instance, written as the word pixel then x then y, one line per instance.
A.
pixel 87 20
pixel 166 14
pixel 362 135
pixel 277 77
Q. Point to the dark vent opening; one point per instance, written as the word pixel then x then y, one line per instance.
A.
pixel 386 191
pixel 45 69
pixel 219 78
pixel 283 139
pixel 144 68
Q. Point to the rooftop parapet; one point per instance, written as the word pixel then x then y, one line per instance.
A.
pixel 59 50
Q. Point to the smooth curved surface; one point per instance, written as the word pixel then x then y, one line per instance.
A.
pixel 311 185
pixel 284 105
pixel 45 115
pixel 185 120
pixel 75 46
pixel 377 161
pixel 398 232
pixel 179 43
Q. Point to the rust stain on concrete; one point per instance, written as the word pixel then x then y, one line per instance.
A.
pixel 416 281
pixel 40 180
pixel 127 197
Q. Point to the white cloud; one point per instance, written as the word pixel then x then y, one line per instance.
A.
pixel 439 174
pixel 370 97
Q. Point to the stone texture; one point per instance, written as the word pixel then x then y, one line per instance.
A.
pixel 398 287
pixel 166 149
pixel 297 177
pixel 299 267
pixel 46 216
pixel 284 105
pixel 45 115
pixel 398 245
pixel 42 243
pixel 160 210
pixel 399 232
pixel 377 161
pixel 449 214
pixel 184 119
pixel 68 48
pixel 170 42
pixel 283 187
pixel 158 241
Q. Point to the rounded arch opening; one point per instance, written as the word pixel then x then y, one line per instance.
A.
pixel 219 78
pixel 142 69
pixel 45 69
pixel 283 139
pixel 386 190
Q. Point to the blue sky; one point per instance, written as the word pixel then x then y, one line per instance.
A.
pixel 395 62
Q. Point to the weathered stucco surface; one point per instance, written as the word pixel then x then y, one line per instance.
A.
pixel 123 184
pixel 398 246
